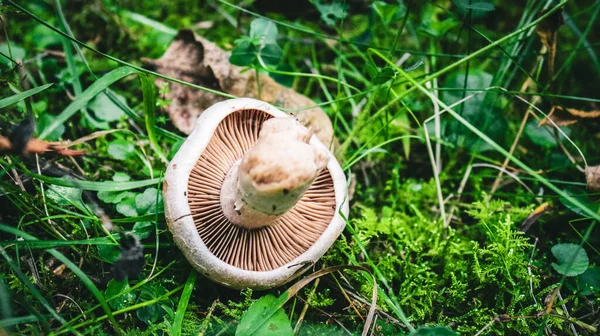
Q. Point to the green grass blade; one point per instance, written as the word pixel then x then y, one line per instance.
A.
pixel 22 95
pixel 75 269
pixel 117 60
pixel 32 288
pixel 82 100
pixel 183 303
pixel 489 141
pixel 149 93
pixel 150 23
pixel 95 185
pixel 13 321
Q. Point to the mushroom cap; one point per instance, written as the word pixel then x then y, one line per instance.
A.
pixel 231 255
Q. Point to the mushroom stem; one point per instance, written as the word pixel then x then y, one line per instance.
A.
pixel 273 175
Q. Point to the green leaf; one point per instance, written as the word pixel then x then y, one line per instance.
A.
pixel 18 53
pixel 271 54
pixel 109 253
pixel 44 121
pixel 433 331
pixel 435 22
pixel 244 54
pixel 285 80
pixel 572 259
pixel 127 207
pixel 277 325
pixel 82 100
pixel 477 8
pixel 4 102
pixel 479 110
pixel 112 196
pixel 105 109
pixel 42 38
pixel 121 177
pixel 331 12
pixel 116 287
pixel 589 281
pixel 385 11
pixel 544 135
pixel 263 30
pixel 121 149
pixel 383 75
pixel 143 229
pixel 64 195
pixel 145 203
pixel 150 314
pixel 580 195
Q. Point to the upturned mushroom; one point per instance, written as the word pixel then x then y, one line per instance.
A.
pixel 252 197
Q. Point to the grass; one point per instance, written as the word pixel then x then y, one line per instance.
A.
pixel 428 101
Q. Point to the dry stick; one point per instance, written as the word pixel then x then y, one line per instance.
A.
pixel 567 153
pixel 305 308
pixel 511 151
pixel 37 164
pixel 556 128
pixel 66 297
pixel 347 297
pixel 529 271
pixel 15 176
pixel 564 307
pixel 436 121
pixel 485 327
pixel 432 157
pixel 295 288
pixel 208 317
pixel 331 316
pixel 524 87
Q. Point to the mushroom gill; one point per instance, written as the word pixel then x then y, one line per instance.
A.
pixel 260 249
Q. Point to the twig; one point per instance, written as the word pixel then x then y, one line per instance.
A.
pixel 511 151
pixel 564 307
pixel 305 308
pixel 529 271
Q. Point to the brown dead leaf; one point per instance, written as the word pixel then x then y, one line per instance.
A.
pixel 194 59
pixel 534 216
pixel 547 29
pixel 592 178
pixel 562 117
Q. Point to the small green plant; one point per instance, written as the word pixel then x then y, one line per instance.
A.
pixel 259 47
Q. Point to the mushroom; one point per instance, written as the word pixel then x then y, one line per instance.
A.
pixel 252 197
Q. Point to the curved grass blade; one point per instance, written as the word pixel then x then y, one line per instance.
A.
pixel 76 270
pixel 295 288
pixel 82 100
pixel 127 309
pixel 22 95
pixel 114 59
pixel 183 303
pixel 488 140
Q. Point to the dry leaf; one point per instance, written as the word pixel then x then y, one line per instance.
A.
pixel 36 146
pixel 547 29
pixel 196 60
pixel 565 118
pixel 592 178
pixel 534 216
